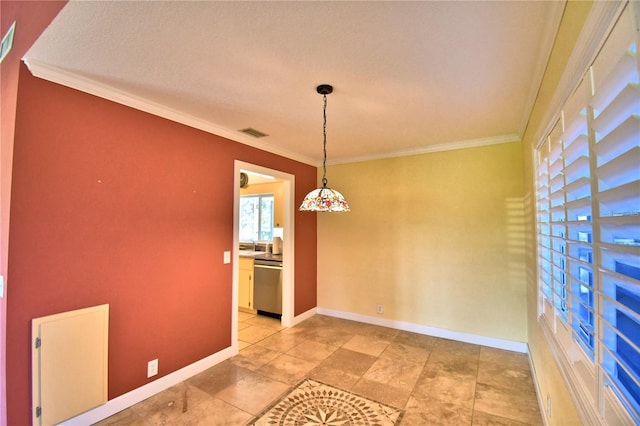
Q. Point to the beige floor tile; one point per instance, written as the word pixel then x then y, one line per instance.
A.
pixel 334 377
pixel 254 357
pixel 373 331
pixel 264 321
pixel 381 392
pixel 218 377
pixel 455 348
pixel 351 362
pixel 416 340
pixel 296 330
pixel 254 333
pixel 126 417
pixel 212 412
pixel 329 336
pixel 425 411
pixel 253 393
pixel 515 379
pixel 521 407
pixel 287 369
pixel 243 325
pixel 366 345
pixel 243 345
pixel 181 404
pixel 171 400
pixel 382 333
pixel 281 342
pixel 324 321
pixel 484 419
pixel 219 413
pixel 446 386
pixel 501 356
pixel 403 351
pixel 457 360
pixel 312 351
pixel 398 373
pixel 243 316
pixel 438 381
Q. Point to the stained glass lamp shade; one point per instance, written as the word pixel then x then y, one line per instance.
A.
pixel 324 199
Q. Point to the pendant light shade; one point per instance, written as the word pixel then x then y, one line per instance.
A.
pixel 324 199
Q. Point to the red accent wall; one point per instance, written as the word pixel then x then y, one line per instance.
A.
pixel 31 17
pixel 113 205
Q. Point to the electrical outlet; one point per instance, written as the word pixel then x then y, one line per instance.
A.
pixel 380 309
pixel 152 368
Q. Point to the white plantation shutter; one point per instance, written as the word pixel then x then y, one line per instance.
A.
pixel 543 220
pixel 615 103
pixel 588 201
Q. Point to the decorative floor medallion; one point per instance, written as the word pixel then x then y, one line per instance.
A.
pixel 313 403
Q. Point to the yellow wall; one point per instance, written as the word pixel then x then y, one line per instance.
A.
pixel 548 376
pixel 448 239
pixel 436 238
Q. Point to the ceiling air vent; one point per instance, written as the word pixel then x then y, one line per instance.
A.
pixel 253 132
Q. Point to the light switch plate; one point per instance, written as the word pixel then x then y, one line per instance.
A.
pixel 1 286
pixel 227 257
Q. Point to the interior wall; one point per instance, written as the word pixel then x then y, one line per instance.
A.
pixel 275 188
pixel 31 19
pixel 437 239
pixel 115 206
pixel 548 376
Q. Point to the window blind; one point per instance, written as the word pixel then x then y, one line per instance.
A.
pixel 588 222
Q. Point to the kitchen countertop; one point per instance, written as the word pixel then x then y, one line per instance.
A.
pixel 251 253
pixel 260 255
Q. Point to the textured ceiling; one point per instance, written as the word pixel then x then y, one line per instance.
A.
pixel 409 77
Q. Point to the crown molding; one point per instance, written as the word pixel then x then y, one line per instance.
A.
pixel 550 32
pixel 427 149
pixel 87 85
pixel 92 87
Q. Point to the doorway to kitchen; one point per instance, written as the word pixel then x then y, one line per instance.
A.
pixel 263 243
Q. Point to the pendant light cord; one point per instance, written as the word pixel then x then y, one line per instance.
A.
pixel 324 142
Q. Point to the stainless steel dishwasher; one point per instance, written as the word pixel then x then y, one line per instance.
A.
pixel 267 285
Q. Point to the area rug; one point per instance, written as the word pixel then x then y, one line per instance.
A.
pixel 314 403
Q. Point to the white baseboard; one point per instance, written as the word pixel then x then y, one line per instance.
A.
pixel 536 386
pixel 493 342
pixel 304 316
pixel 143 392
pixel 137 395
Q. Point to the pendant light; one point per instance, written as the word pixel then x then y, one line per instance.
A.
pixel 324 199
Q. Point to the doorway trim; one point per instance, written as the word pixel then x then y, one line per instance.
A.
pixel 288 249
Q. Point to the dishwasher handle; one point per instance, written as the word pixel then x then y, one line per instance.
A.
pixel 266 266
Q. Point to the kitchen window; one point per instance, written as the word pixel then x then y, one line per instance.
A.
pixel 588 226
pixel 256 217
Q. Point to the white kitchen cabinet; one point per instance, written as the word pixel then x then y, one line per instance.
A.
pixel 245 285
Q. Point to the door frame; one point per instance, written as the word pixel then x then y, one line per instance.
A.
pixel 288 249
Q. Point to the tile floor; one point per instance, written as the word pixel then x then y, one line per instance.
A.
pixel 437 381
